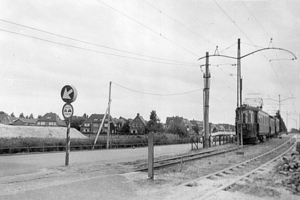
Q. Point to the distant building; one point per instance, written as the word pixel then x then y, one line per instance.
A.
pixel 24 122
pixel 178 121
pixel 197 124
pixel 120 123
pixel 50 119
pixel 5 118
pixel 138 125
pixel 92 124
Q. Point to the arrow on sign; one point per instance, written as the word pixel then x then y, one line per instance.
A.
pixel 66 94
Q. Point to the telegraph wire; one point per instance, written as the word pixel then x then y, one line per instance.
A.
pixel 179 23
pixel 141 24
pixel 95 51
pixel 153 94
pixel 90 43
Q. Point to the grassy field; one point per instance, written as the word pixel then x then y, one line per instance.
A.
pixel 32 144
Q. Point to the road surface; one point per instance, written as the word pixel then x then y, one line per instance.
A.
pixel 28 163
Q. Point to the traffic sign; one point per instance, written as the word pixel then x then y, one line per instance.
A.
pixel 67 111
pixel 68 93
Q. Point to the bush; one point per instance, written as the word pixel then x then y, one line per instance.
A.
pixel 19 145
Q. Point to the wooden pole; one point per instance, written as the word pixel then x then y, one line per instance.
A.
pixel 68 142
pixel 99 130
pixel 151 155
pixel 108 119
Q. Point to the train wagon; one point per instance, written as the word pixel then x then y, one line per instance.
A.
pixel 272 126
pixel 255 124
pixel 277 126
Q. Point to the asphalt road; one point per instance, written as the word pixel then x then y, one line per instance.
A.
pixel 28 163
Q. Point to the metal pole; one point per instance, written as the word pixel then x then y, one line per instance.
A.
pixel 68 142
pixel 287 121
pixel 279 104
pixel 206 102
pixel 241 86
pixel 239 122
pixel 108 119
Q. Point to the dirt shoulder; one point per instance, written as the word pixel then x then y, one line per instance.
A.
pixel 267 185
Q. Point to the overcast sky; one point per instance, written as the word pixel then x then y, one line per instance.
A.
pixel 149 49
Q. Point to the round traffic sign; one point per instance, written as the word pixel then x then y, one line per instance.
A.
pixel 68 93
pixel 67 111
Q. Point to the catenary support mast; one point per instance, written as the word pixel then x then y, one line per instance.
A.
pixel 206 102
pixel 108 119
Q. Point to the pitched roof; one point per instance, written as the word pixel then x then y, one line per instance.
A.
pixel 32 121
pixel 177 120
pixel 5 118
pixel 98 118
pixel 138 116
pixel 52 117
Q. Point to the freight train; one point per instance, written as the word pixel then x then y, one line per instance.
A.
pixel 256 124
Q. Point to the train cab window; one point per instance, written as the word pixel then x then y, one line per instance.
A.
pixel 244 117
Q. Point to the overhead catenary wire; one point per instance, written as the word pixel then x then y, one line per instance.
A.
pixel 156 94
pixel 255 19
pixel 181 24
pixel 248 40
pixel 90 43
pixel 95 51
pixel 157 33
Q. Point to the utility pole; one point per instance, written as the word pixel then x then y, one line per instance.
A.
pixel 108 119
pixel 239 98
pixel 287 121
pixel 279 104
pixel 241 86
pixel 206 102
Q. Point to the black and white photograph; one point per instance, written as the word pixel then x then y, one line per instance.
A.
pixel 149 99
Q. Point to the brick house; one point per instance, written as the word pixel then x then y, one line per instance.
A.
pixel 92 124
pixel 24 122
pixel 50 119
pixel 138 125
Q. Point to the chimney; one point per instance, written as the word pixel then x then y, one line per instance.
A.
pixel 138 114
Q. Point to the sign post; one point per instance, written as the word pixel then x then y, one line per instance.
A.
pixel 68 95
pixel 151 155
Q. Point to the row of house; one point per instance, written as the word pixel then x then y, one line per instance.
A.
pixel 92 124
pixel 49 119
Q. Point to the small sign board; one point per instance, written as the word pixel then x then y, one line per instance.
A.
pixel 67 111
pixel 68 93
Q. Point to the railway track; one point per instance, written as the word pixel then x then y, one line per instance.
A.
pixel 185 158
pixel 207 186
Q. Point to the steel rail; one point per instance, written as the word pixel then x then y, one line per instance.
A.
pixel 230 184
pixel 188 183
pixel 187 158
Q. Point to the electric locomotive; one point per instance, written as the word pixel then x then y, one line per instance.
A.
pixel 256 125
